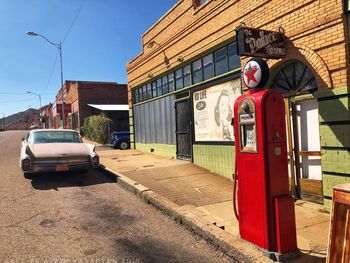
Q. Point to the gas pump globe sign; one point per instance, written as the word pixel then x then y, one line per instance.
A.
pixel 255 73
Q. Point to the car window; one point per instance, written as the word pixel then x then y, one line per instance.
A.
pixel 54 137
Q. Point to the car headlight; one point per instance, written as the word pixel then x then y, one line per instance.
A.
pixel 26 164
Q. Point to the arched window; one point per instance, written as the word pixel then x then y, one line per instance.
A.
pixel 294 77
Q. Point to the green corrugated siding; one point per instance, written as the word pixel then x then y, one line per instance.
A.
pixel 167 150
pixel 222 164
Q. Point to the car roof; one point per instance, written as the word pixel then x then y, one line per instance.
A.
pixel 60 130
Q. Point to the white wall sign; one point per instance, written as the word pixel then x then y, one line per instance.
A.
pixel 213 111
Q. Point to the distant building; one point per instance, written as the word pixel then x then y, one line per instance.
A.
pixel 77 97
pixel 183 84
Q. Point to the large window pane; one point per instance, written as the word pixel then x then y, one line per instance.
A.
pixel 144 92
pixel 221 64
pixel 165 85
pixel 154 89
pixel 159 87
pixel 140 94
pixel 197 71
pixel 179 79
pixel 149 91
pixel 233 58
pixel 136 96
pixel 187 75
pixel 171 82
pixel 208 67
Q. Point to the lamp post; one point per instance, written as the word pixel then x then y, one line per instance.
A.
pixel 59 46
pixel 38 95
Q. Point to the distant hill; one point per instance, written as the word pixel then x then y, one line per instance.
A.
pixel 22 120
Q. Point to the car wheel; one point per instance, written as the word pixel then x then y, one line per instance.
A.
pixel 28 175
pixel 124 145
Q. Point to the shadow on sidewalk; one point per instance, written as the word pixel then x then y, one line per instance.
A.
pixel 48 181
pixel 306 258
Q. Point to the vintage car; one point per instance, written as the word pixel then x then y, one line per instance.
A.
pixel 120 140
pixel 56 151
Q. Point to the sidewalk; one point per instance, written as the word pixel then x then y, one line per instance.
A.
pixel 206 198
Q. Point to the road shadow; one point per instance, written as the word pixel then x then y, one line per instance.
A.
pixel 49 181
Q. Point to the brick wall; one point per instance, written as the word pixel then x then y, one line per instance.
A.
pixel 315 30
pixel 99 93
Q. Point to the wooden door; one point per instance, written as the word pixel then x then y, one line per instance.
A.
pixel 304 149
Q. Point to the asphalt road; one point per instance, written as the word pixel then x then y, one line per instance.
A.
pixel 84 218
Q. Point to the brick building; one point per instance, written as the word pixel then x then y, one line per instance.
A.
pixel 189 56
pixel 79 94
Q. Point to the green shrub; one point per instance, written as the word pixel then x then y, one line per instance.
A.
pixel 96 128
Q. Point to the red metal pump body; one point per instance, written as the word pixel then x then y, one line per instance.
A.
pixel 266 208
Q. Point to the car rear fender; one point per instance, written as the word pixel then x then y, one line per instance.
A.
pixel 91 147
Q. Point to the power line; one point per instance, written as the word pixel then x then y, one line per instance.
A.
pixel 51 73
pixel 73 22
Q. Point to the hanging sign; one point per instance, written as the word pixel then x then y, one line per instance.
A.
pixel 254 42
pixel 255 73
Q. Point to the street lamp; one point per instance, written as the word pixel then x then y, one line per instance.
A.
pixel 59 46
pixel 38 95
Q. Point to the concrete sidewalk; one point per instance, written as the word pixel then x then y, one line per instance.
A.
pixel 206 199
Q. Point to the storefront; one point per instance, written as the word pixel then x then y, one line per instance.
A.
pixel 183 85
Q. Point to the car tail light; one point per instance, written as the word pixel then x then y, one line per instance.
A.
pixel 95 161
pixel 26 164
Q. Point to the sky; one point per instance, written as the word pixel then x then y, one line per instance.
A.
pixel 104 37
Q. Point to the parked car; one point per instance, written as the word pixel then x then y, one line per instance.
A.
pixel 56 151
pixel 120 140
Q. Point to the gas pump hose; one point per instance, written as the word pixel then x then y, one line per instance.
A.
pixel 235 177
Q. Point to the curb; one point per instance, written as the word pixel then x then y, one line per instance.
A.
pixel 235 248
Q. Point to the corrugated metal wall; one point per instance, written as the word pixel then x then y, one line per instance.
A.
pixel 155 121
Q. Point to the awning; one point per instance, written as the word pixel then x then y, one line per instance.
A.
pixel 110 107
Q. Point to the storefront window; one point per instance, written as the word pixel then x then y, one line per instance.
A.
pixel 154 89
pixel 171 82
pixel 159 87
pixel 140 94
pixel 144 92
pixel 187 75
pixel 179 79
pixel 149 91
pixel 197 71
pixel 165 84
pixel 233 58
pixel 208 67
pixel 135 96
pixel 221 65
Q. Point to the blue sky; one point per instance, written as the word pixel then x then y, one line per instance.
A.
pixel 105 36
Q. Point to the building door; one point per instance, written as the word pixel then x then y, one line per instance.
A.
pixel 304 155
pixel 304 149
pixel 183 129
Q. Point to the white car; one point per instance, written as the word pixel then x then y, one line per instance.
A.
pixel 56 150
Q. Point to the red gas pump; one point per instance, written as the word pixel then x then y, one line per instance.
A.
pixel 266 209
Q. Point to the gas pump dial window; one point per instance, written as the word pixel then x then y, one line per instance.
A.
pixel 247 126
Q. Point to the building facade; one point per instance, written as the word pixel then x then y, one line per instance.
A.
pixel 182 86
pixel 77 97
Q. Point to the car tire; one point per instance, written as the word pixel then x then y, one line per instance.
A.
pixel 28 175
pixel 124 145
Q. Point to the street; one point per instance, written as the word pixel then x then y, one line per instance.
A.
pixel 84 218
